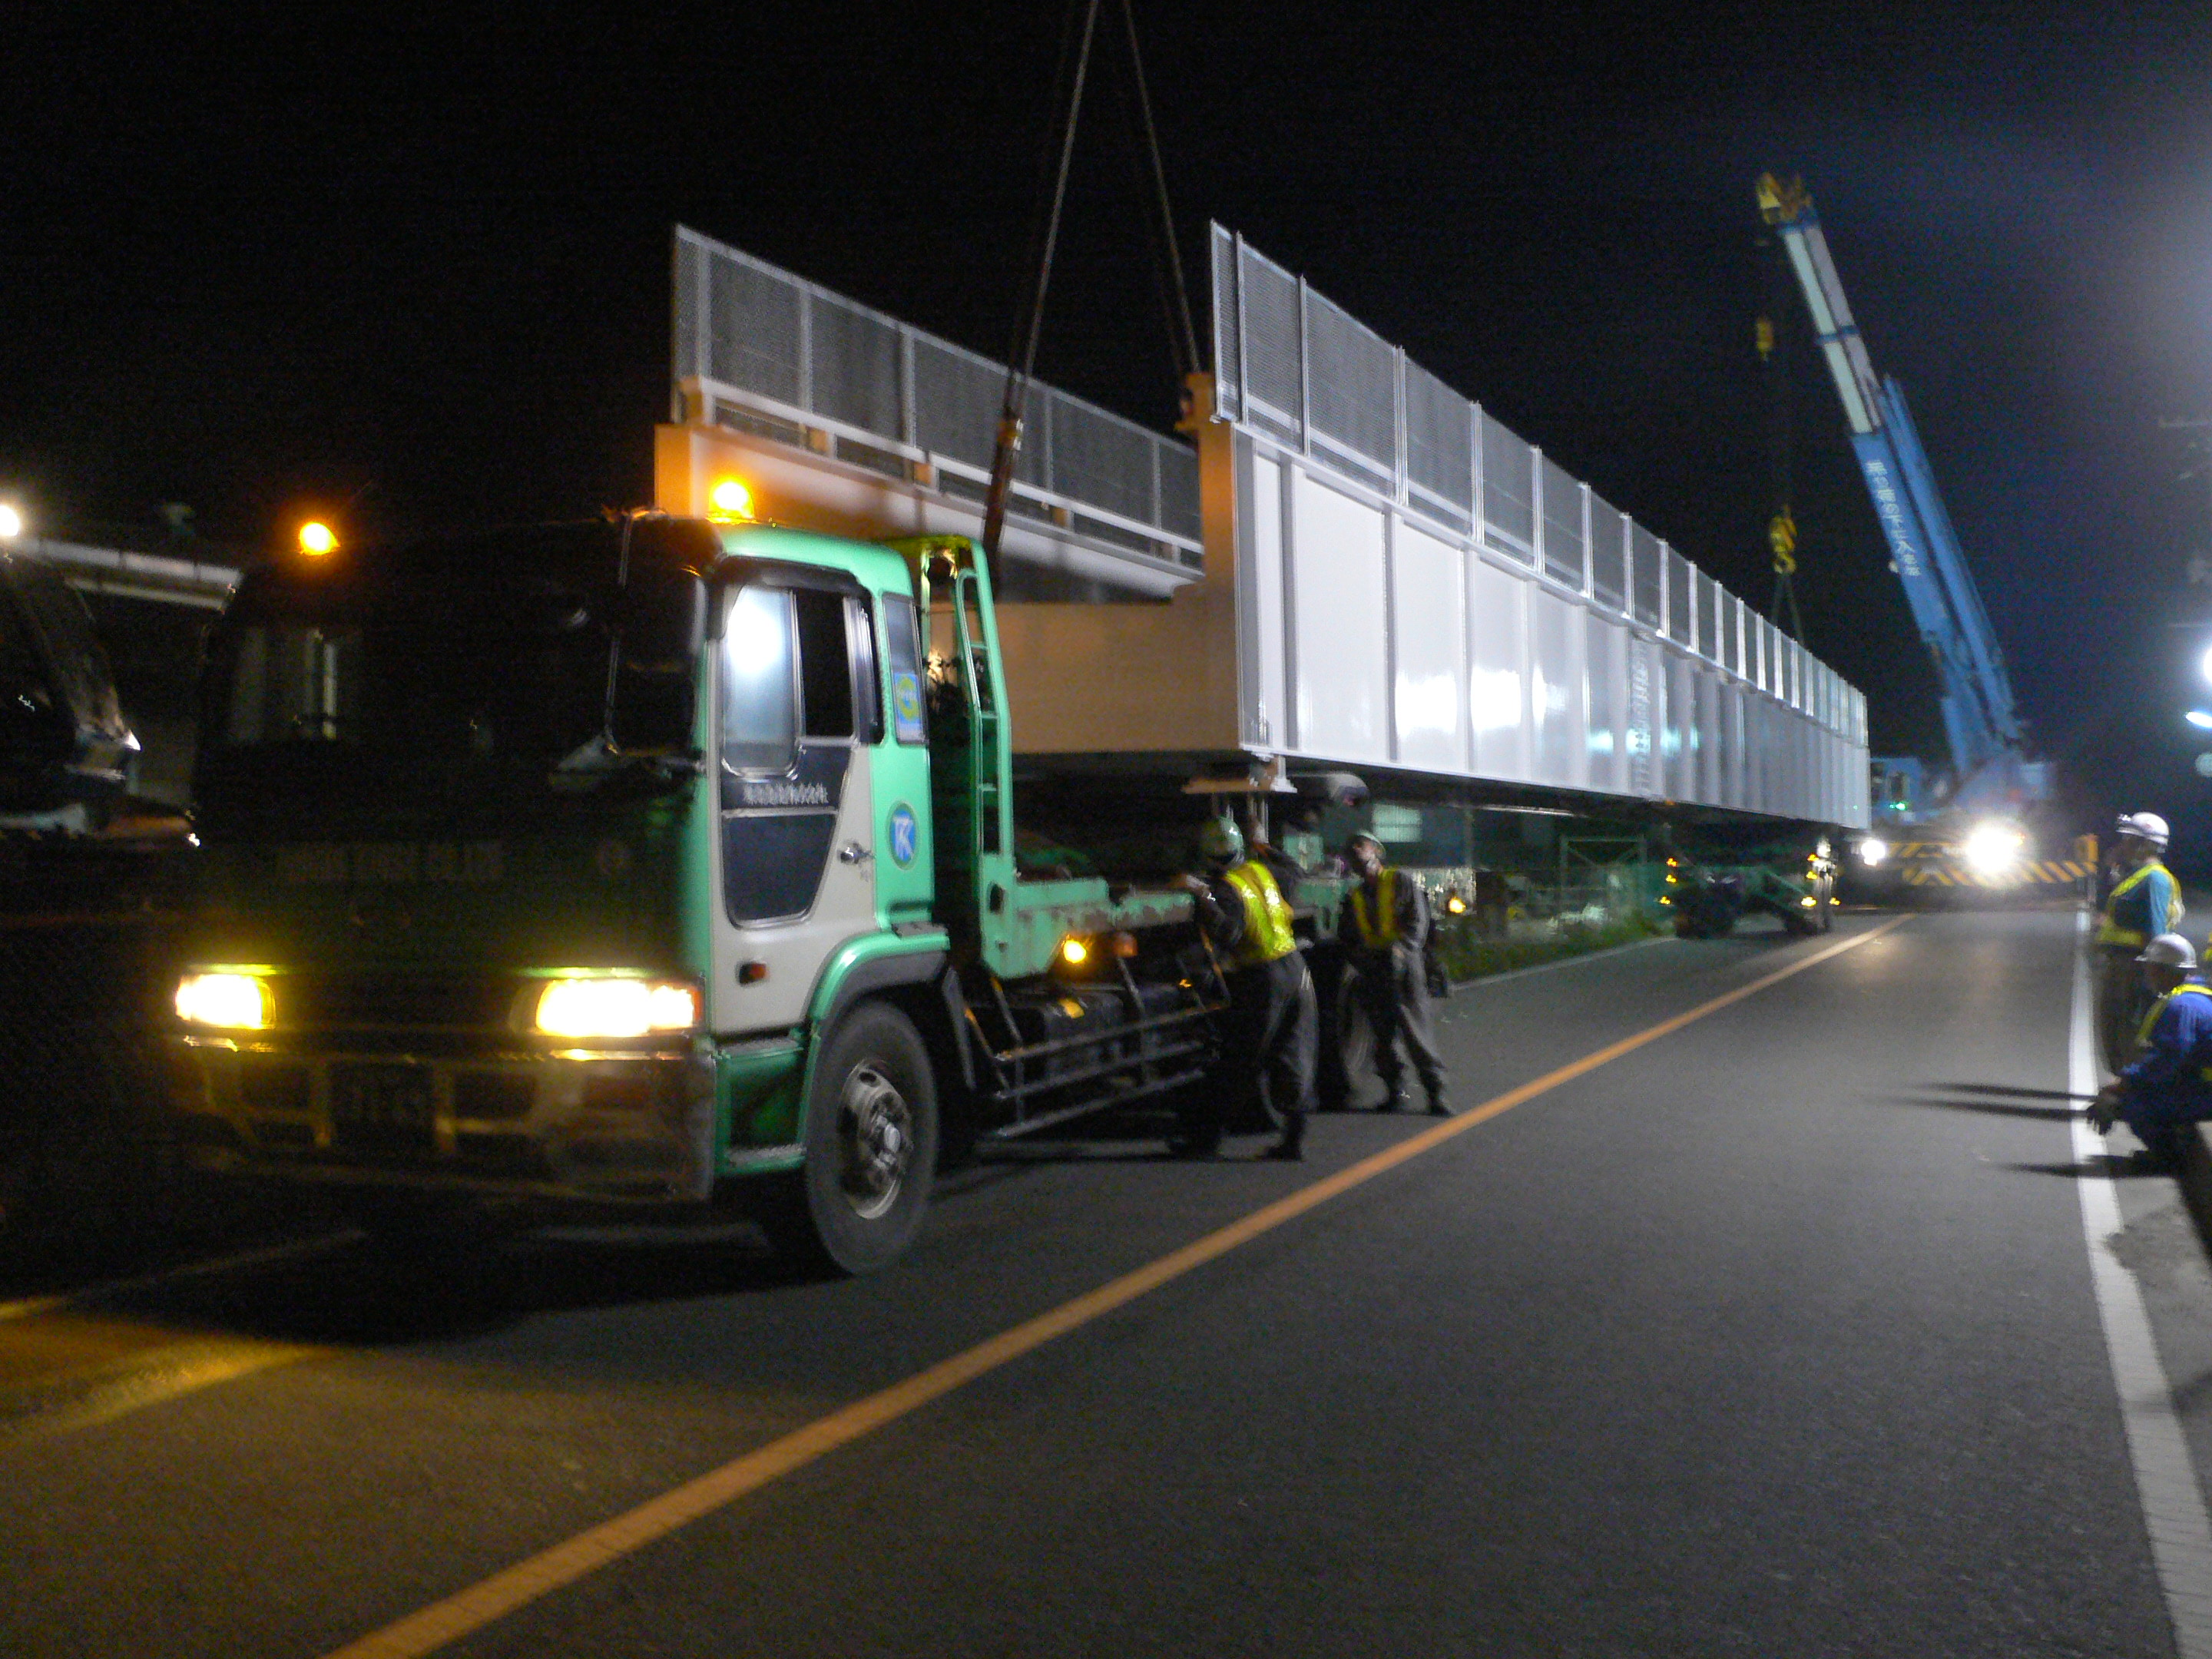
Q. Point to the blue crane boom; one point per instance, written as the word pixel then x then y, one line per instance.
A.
pixel 1988 740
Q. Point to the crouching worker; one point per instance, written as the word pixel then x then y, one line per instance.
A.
pixel 1268 1043
pixel 2169 1085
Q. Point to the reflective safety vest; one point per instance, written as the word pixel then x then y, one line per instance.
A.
pixel 2142 1032
pixel 1268 935
pixel 2114 930
pixel 1378 932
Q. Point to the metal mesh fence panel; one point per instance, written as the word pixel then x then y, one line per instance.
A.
pixel 1352 381
pixel 689 258
pixel 1509 522
pixel 856 367
pixel 1179 513
pixel 1679 616
pixel 1564 552
pixel 1228 388
pixel 1271 327
pixel 1708 617
pixel 1609 560
pixel 1439 441
pixel 956 398
pixel 1098 461
pixel 753 329
pixel 1643 563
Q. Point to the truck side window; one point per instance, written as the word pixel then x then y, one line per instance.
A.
pixel 868 689
pixel 825 664
pixel 760 701
pixel 902 657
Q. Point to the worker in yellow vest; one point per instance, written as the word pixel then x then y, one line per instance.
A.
pixel 1384 930
pixel 2144 902
pixel 2168 1086
pixel 1269 1040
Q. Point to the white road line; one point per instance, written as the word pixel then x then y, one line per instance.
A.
pixel 2166 1477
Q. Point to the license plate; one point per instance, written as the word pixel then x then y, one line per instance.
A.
pixel 384 1108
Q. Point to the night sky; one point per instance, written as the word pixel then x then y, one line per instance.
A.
pixel 418 275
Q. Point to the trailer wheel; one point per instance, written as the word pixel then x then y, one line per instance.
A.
pixel 871 1136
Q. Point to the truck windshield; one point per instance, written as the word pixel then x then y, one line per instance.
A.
pixel 467 674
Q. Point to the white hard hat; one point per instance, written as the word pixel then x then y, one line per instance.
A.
pixel 2143 826
pixel 2169 951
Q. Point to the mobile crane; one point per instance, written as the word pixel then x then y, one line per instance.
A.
pixel 1963 829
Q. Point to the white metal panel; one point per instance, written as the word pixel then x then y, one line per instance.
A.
pixel 1680 779
pixel 1647 697
pixel 1555 691
pixel 1707 740
pixel 1496 695
pixel 1429 650
pixel 1606 675
pixel 1732 742
pixel 1263 576
pixel 1340 624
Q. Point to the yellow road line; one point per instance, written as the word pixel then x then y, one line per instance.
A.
pixel 141 1381
pixel 481 1604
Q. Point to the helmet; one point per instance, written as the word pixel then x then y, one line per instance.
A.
pixel 2168 950
pixel 1221 841
pixel 1368 836
pixel 2143 826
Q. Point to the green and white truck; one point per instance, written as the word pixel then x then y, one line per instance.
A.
pixel 658 862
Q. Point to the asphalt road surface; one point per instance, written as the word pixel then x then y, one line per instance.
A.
pixel 1772 1332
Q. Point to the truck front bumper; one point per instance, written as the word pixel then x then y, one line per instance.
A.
pixel 625 1126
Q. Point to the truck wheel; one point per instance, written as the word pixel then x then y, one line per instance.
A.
pixel 871 1141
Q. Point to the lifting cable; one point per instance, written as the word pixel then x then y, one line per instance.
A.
pixel 1021 356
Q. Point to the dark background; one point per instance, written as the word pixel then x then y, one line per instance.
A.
pixel 409 275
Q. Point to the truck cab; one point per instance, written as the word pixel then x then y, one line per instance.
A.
pixel 66 749
pixel 652 862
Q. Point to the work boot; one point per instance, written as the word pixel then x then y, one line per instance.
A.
pixel 1286 1152
pixel 1438 1106
pixel 1392 1101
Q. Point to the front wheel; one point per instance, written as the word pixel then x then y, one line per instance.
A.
pixel 870 1140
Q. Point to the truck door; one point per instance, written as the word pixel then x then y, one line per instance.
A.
pixel 797 707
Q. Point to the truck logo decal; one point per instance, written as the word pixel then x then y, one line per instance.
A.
pixel 905 706
pixel 778 792
pixel 906 831
pixel 390 862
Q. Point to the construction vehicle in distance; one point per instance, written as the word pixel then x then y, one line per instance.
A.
pixel 657 862
pixel 1972 825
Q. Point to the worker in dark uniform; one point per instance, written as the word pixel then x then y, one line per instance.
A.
pixel 2169 1085
pixel 1383 928
pixel 1270 1035
pixel 2144 902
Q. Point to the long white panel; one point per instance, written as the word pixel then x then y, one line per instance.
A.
pixel 1339 624
pixel 1429 651
pixel 1497 693
pixel 1271 717
pixel 1555 691
pixel 1605 673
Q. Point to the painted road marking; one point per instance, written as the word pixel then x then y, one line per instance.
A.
pixel 31 1306
pixel 79 1402
pixel 2165 1475
pixel 481 1604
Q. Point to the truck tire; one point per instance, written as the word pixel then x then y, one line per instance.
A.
pixel 870 1139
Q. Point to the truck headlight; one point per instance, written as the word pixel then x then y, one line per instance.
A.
pixel 1873 850
pixel 604 1007
pixel 240 1002
pixel 1993 849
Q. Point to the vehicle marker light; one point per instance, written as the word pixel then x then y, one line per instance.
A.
pixel 1074 951
pixel 317 538
pixel 605 1007
pixel 730 502
pixel 234 1001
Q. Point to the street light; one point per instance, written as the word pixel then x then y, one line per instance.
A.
pixel 2197 717
pixel 11 521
